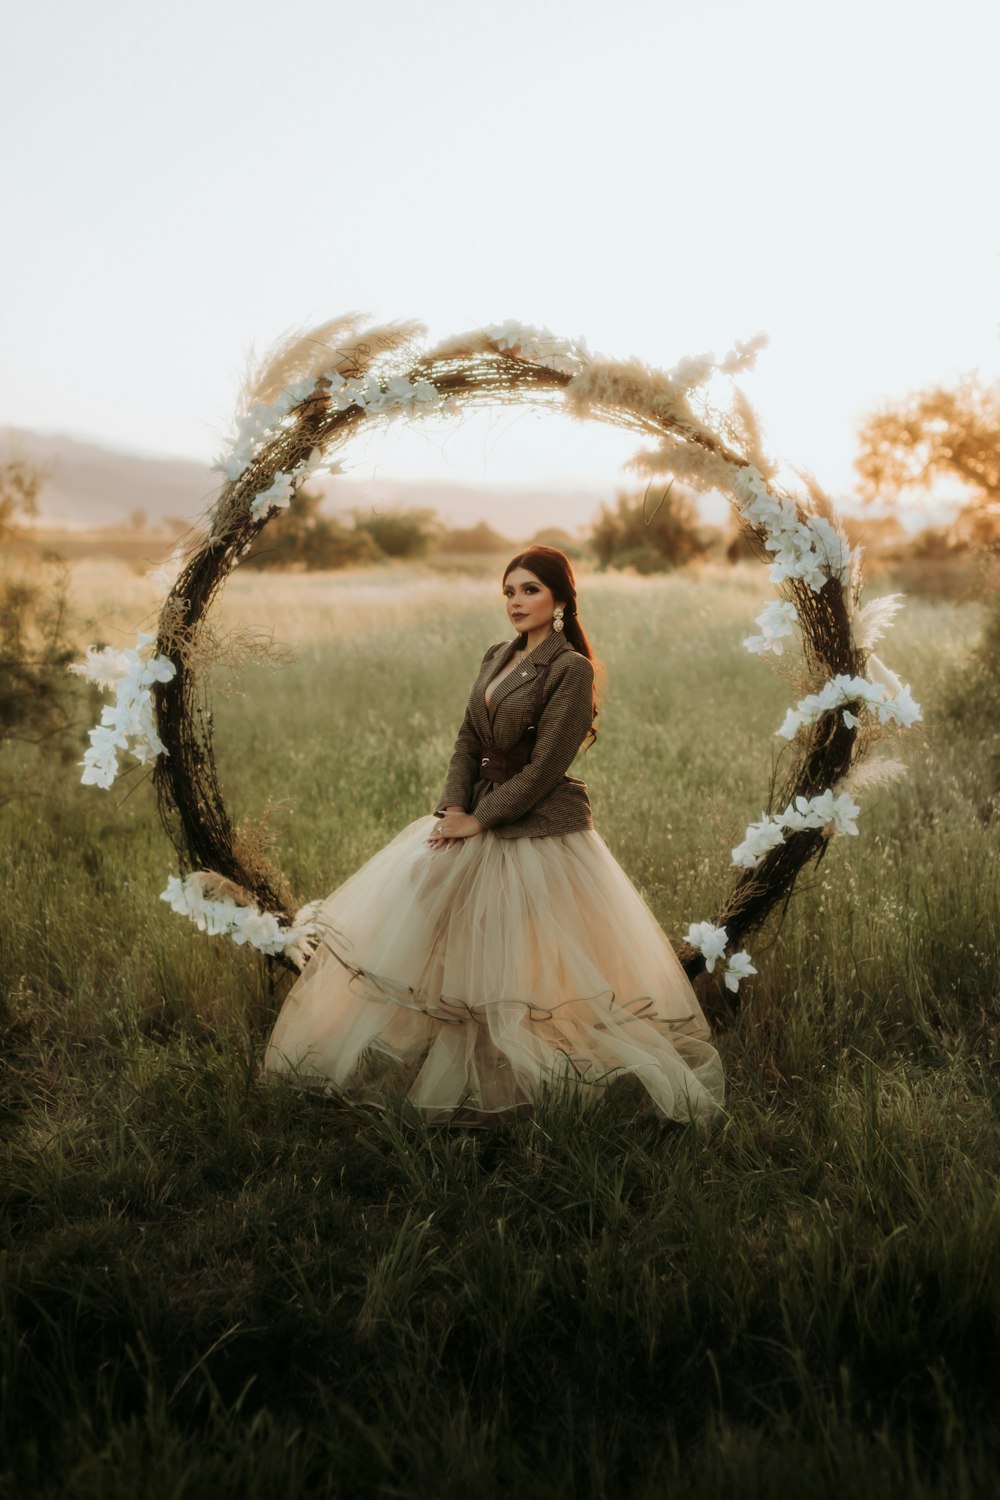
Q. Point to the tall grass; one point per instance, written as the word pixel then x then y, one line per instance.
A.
pixel 210 1287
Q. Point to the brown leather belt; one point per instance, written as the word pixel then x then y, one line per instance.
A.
pixel 501 765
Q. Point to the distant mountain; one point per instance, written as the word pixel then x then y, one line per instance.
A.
pixel 516 511
pixel 88 485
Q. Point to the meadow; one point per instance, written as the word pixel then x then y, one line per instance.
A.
pixel 211 1287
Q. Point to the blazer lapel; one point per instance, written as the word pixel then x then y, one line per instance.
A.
pixel 521 676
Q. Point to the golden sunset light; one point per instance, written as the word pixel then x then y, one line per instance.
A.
pixel 500 750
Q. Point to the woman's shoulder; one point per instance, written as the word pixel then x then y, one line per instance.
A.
pixel 575 662
pixel 492 651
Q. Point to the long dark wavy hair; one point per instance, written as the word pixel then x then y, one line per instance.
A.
pixel 556 571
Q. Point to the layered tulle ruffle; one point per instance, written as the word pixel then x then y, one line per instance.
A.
pixel 486 972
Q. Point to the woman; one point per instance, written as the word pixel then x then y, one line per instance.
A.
pixel 498 946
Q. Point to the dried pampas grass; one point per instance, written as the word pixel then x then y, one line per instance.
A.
pixel 873 620
pixel 870 776
pixel 343 344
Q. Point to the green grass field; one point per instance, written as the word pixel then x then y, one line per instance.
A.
pixel 212 1288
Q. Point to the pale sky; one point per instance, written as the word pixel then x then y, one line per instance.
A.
pixel 181 182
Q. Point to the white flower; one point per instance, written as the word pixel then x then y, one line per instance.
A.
pixel 235 464
pixel 127 723
pixel 158 669
pixel 258 928
pixel 900 708
pixel 825 810
pixel 890 705
pixel 398 392
pixel 507 335
pixel 776 619
pixel 809 812
pixel 709 940
pixel 100 764
pixel 348 393
pixel 425 392
pixel 245 924
pixel 738 967
pixel 760 837
pixel 256 427
pixel 748 481
pixel 294 394
pixel 278 494
pixel 845 810
pixel 791 725
pixel 400 395
pixel 810 549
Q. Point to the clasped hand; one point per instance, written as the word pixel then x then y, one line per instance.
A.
pixel 455 825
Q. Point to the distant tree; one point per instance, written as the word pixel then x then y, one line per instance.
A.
pixel 138 520
pixel 875 533
pixel 652 531
pixel 301 537
pixel 557 536
pixel 35 647
pixel 952 433
pixel 478 538
pixel 20 485
pixel 933 434
pixel 399 533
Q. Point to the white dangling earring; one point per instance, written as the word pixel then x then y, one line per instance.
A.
pixel 557 620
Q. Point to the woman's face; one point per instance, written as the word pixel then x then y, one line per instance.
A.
pixel 530 604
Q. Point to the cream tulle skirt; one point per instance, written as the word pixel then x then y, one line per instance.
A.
pixel 471 978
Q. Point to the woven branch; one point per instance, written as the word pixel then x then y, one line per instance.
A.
pixel 189 796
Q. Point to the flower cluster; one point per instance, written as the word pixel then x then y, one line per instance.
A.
pixel 897 706
pixel 711 943
pixel 259 426
pixel 776 619
pixel 397 396
pixel 243 923
pixel 127 723
pixel 277 495
pixel 827 810
pixel 811 549
pixel 540 346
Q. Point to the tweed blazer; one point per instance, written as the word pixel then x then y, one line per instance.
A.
pixel 541 800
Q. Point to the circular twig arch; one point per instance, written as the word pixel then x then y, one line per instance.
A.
pixel 315 393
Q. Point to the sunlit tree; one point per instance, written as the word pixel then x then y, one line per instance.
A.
pixel 20 483
pixel 950 433
pixel 936 434
pixel 652 531
pixel 35 646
